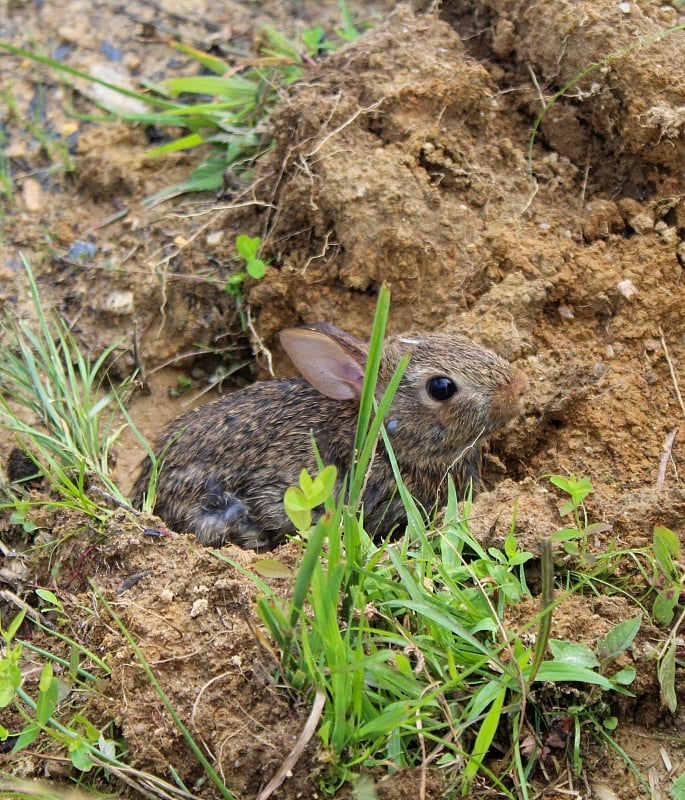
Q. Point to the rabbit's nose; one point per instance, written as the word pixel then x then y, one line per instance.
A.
pixel 518 385
pixel 507 401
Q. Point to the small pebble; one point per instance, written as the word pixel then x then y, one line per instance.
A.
pixel 16 149
pixel 214 238
pixel 153 533
pixel 641 223
pixel 63 51
pixel 132 61
pixel 119 303
pixel 72 34
pixel 82 251
pixel 604 792
pixel 32 194
pixel 200 607
pixel 68 127
pixel 566 312
pixel 627 288
pixel 111 52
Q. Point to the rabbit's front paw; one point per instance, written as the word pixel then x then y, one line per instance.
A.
pixel 223 518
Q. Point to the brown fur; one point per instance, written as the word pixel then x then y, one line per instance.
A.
pixel 227 465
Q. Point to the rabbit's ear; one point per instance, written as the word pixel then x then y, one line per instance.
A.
pixel 331 360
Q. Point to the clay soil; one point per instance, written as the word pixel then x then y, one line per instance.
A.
pixel 401 158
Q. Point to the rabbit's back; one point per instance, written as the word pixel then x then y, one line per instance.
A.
pixel 225 466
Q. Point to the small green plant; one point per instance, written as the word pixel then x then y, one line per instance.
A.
pixel 609 648
pixel 575 537
pixel 50 603
pixel 75 733
pixel 20 516
pixel 248 248
pixel 667 554
pixel 670 579
pixel 505 567
pixel 677 788
pixel 312 492
pixel 184 384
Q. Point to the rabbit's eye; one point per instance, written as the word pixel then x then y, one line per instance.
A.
pixel 441 388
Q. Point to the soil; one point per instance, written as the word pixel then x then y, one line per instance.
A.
pixel 401 159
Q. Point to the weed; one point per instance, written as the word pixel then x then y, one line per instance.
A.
pixel 671 578
pixel 312 492
pixel 658 568
pixel 254 267
pixel 20 516
pixel 669 583
pixel 677 790
pixel 42 714
pixel 575 538
pixel 231 122
pixel 46 374
pixel 184 384
pixel 666 577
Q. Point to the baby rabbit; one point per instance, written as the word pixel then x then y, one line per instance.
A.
pixel 226 465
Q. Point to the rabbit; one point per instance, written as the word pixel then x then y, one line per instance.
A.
pixel 226 465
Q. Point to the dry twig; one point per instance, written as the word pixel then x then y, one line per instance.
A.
pixel 296 752
pixel 260 344
pixel 666 455
pixel 674 377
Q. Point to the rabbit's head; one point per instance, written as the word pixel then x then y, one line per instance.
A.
pixel 453 393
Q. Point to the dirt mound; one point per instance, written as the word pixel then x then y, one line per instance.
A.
pixel 403 158
pixel 412 170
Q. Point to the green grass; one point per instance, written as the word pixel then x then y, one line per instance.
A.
pixel 223 112
pixel 408 641
pixel 46 378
